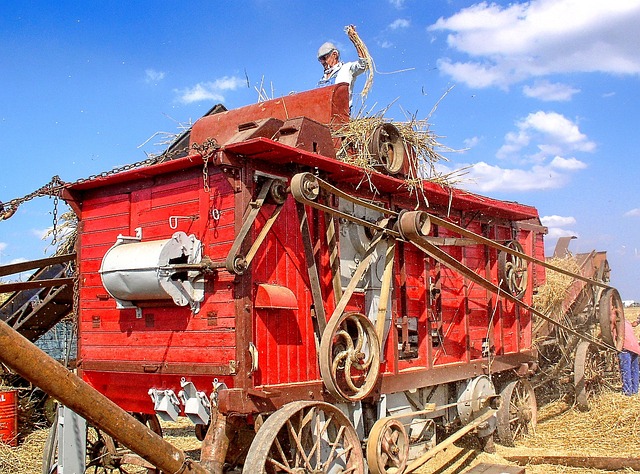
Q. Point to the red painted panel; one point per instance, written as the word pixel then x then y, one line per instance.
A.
pixel 328 105
pixel 284 337
pixel 129 390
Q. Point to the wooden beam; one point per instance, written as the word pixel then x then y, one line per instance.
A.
pixel 31 264
pixel 593 462
pixel 28 285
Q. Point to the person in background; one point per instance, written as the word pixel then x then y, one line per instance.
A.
pixel 629 369
pixel 336 71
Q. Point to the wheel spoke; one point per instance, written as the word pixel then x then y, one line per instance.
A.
pixel 346 337
pixel 282 455
pixel 334 447
pixel 336 362
pixel 300 449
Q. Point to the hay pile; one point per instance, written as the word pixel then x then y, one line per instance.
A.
pixel 422 150
pixel 550 297
pixel 27 457
pixel 610 428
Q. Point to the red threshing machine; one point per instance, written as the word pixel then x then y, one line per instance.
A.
pixel 306 314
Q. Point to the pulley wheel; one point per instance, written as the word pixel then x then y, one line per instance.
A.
pixel 387 447
pixel 512 270
pixel 350 357
pixel 414 224
pixel 278 192
pixel 305 186
pixel 387 148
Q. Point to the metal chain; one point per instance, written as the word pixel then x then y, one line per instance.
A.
pixel 208 148
pixel 56 185
pixel 205 173
pixel 54 232
pixel 76 293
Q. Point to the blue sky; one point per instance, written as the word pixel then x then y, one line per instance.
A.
pixel 544 104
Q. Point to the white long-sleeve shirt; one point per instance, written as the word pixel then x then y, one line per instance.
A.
pixel 344 72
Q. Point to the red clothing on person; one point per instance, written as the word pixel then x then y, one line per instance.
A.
pixel 630 340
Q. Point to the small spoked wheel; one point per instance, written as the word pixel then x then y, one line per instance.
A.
pixel 306 437
pixel 350 357
pixel 518 414
pixel 387 447
pixel 594 371
pixel 106 455
pixel 611 316
pixel 512 270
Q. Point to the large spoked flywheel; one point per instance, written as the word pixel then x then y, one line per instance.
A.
pixel 350 357
pixel 306 436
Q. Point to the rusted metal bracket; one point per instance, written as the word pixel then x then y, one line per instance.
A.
pixel 385 292
pixel 271 188
pixel 312 271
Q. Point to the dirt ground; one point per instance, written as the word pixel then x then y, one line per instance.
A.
pixel 611 428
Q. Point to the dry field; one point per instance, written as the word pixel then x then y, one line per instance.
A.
pixel 611 428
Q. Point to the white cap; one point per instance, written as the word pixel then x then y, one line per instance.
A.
pixel 326 48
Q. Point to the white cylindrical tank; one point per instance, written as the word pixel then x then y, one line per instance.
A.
pixel 133 270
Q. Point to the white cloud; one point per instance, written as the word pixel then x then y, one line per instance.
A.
pixel 553 133
pixel 521 40
pixel 474 75
pixel 471 142
pixel 539 153
pixel 399 23
pixel 558 226
pixel 399 4
pixel 568 164
pixel 547 91
pixel 3 246
pixel 632 213
pixel 556 232
pixel 41 233
pixel 485 178
pixel 557 221
pixel 151 76
pixel 211 91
